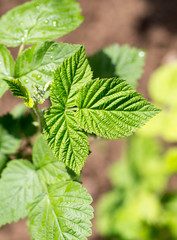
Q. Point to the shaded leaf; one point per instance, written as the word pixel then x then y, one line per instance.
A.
pixel 8 143
pixel 122 61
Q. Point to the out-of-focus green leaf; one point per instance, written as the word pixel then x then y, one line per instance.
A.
pixel 39 20
pixel 8 143
pixel 122 61
pixel 141 165
pixel 6 68
pixel 123 214
pixel 163 85
pixel 18 111
pixel 171 159
pixel 36 65
pixel 163 91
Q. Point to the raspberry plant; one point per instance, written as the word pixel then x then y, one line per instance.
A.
pixel 47 188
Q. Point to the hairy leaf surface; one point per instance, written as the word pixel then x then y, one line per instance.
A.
pixel 36 65
pixel 122 61
pixel 39 20
pixel 112 109
pixel 18 187
pixel 6 68
pixel 63 212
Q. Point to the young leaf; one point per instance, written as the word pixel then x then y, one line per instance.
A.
pixel 112 109
pixel 36 65
pixel 63 212
pixel 6 68
pixel 68 141
pixel 124 62
pixel 18 187
pixel 69 77
pixel 39 20
pixel 8 143
pixel 20 91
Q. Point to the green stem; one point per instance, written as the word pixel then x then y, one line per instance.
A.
pixel 37 114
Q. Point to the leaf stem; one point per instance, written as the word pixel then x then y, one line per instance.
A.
pixel 36 112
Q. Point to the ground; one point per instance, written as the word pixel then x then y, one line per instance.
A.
pixel 147 24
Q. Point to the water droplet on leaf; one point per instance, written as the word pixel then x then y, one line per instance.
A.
pixel 55 23
pixel 26 81
pixel 46 21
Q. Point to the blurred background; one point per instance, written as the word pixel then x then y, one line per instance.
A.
pixel 150 25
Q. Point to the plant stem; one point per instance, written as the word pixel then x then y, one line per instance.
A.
pixel 37 115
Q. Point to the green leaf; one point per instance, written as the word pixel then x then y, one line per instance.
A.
pixel 122 61
pixel 163 125
pixel 42 154
pixel 49 169
pixel 18 187
pixel 67 140
pixel 165 78
pixel 20 91
pixel 6 68
pixel 69 77
pixel 63 212
pixel 39 20
pixel 142 166
pixel 36 65
pixel 112 109
pixel 8 143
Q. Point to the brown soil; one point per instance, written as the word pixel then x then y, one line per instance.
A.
pixel 147 24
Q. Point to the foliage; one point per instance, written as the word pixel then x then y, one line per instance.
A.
pixel 45 186
pixel 138 206
pixel 118 61
pixel 162 89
